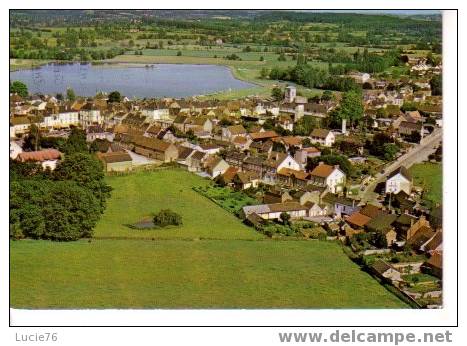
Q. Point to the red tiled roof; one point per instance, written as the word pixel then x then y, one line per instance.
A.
pixel 358 219
pixel 39 156
pixel 263 135
pixel 322 171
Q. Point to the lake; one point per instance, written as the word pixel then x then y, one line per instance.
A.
pixel 156 80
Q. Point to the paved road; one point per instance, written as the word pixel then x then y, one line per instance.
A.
pixel 416 154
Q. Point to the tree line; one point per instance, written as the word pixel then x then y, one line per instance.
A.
pixel 64 204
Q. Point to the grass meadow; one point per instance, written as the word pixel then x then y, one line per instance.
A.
pixel 190 274
pixel 142 194
pixel 211 261
pixel 430 177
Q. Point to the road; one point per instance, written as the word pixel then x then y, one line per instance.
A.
pixel 416 154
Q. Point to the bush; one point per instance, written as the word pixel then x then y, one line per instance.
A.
pixel 167 217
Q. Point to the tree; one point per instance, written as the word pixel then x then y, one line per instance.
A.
pixel 390 151
pixel 71 212
pixel 19 88
pixel 328 95
pixel 264 73
pixel 87 171
pixel 179 53
pixel 436 84
pixel 57 210
pixel 305 125
pixel 285 217
pixel 167 217
pixel 332 160
pixel 76 142
pixel 34 138
pixel 414 137
pixel 351 107
pixel 115 96
pixel 277 93
pixel 70 94
pixel 279 147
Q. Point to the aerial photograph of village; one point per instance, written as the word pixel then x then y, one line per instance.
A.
pixel 225 159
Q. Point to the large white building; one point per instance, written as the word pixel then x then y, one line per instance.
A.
pixel 328 176
pixel 399 180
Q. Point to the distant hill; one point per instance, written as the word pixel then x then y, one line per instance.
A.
pixel 73 17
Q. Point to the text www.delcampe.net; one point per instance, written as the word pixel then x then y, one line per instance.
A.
pixel 365 337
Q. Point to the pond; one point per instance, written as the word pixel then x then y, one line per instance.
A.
pixel 155 80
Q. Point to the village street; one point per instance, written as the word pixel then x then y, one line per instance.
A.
pixel 416 154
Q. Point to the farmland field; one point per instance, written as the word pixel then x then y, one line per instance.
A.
pixel 190 274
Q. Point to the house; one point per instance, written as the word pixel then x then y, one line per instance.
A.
pixel 273 211
pixel 357 220
pixel 245 180
pixel 215 166
pixel 290 94
pixel 328 176
pixel 235 159
pixel 383 224
pixel 345 206
pixel 155 148
pixel 307 196
pixel 230 132
pixel 263 136
pixel 403 201
pixel 195 161
pixel 371 211
pixel 399 180
pixel 302 155
pixel 322 136
pixel 406 128
pixel 15 149
pixel 384 270
pixel 183 154
pixel 421 223
pixel 199 125
pixel 179 122
pixel 48 158
pixel 227 177
pixel 19 125
pixel 422 236
pixel 116 161
pixel 434 244
pixel 292 178
pixel 403 224
pixel 261 147
pixel 275 163
pixel 413 116
pixel 434 266
pixel 242 143
pixel 90 114
pixel 276 196
pixel 315 210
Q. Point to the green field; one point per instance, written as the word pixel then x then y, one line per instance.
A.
pixel 190 274
pixel 142 194
pixel 212 261
pixel 430 177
